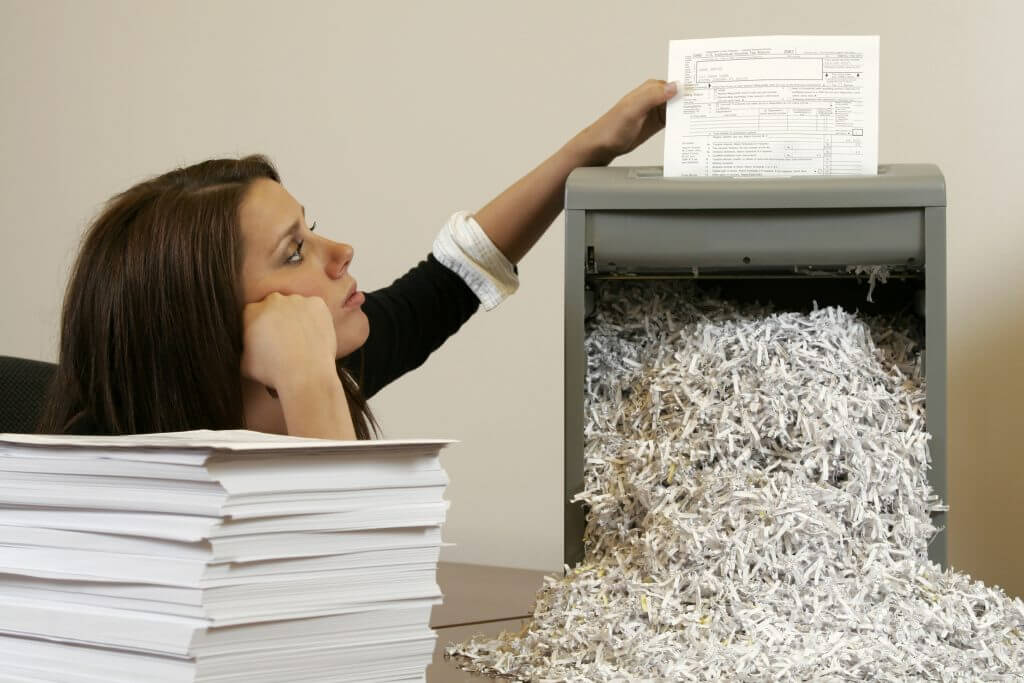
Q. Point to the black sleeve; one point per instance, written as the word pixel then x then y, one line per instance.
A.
pixel 409 319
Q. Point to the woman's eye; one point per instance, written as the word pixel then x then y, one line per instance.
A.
pixel 296 256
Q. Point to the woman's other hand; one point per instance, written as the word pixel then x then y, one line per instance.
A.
pixel 633 119
pixel 288 340
pixel 289 345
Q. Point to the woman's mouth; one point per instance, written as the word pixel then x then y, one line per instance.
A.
pixel 354 300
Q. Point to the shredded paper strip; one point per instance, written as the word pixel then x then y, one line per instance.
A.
pixel 759 509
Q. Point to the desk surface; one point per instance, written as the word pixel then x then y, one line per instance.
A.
pixel 478 599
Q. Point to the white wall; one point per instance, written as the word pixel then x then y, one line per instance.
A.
pixel 386 117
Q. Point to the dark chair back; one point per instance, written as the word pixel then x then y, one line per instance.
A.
pixel 23 385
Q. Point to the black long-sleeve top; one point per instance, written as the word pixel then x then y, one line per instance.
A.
pixel 409 320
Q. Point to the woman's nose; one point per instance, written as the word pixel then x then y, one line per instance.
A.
pixel 339 256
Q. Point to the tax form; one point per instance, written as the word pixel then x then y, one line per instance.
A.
pixel 773 106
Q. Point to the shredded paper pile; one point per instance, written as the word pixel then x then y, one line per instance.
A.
pixel 759 509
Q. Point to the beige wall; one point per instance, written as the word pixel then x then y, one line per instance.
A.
pixel 386 117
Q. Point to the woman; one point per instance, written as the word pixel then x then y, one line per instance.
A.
pixel 202 299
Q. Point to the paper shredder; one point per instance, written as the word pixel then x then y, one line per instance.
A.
pixel 791 240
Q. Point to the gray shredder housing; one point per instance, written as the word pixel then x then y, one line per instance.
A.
pixel 624 222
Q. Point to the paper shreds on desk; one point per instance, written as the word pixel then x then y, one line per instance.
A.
pixel 759 510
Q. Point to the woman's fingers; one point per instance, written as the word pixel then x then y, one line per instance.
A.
pixel 650 95
pixel 286 338
pixel 636 117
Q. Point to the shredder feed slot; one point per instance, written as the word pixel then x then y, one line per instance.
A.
pixel 625 187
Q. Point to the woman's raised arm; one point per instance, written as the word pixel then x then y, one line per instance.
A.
pixel 516 219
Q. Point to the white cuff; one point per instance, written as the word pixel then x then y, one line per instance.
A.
pixel 464 248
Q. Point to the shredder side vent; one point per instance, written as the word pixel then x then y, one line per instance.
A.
pixel 653 241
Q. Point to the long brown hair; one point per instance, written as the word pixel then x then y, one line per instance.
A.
pixel 151 331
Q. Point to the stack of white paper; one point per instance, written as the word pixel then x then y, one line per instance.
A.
pixel 217 556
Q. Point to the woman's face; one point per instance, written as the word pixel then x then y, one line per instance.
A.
pixel 282 255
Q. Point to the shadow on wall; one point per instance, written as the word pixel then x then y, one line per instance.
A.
pixel 986 479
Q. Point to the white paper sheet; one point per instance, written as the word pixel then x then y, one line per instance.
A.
pixel 202 442
pixel 773 106
pixel 91 565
